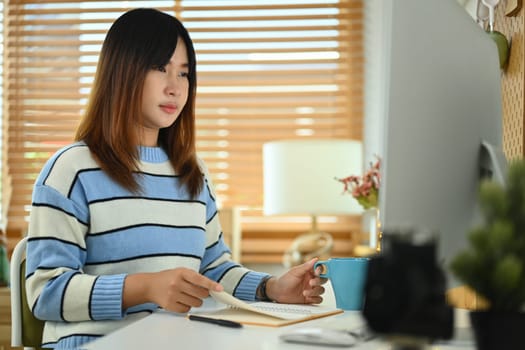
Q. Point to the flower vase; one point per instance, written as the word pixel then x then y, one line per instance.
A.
pixel 372 227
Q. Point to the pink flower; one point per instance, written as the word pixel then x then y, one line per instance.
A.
pixel 364 189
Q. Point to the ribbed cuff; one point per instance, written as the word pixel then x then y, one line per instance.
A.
pixel 73 342
pixel 106 300
pixel 248 285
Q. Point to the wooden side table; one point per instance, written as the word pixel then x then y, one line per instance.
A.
pixel 230 219
pixel 5 318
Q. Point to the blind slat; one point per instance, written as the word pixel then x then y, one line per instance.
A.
pixel 20 10
pixel 191 22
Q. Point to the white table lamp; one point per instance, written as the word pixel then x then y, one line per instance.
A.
pixel 299 178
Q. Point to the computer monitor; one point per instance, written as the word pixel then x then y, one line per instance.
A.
pixel 443 120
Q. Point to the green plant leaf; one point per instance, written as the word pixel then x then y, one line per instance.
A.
pixel 493 200
pixel 507 275
pixel 469 268
pixel 493 265
pixel 500 236
pixel 479 239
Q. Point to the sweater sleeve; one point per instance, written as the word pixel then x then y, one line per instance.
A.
pixel 57 287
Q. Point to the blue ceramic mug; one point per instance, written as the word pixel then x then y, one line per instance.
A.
pixel 348 277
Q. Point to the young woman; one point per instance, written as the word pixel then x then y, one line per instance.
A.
pixel 125 220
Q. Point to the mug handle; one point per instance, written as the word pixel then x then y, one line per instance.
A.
pixel 324 265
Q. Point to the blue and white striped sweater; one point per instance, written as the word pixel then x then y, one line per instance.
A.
pixel 86 233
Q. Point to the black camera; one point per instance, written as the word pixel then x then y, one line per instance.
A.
pixel 405 289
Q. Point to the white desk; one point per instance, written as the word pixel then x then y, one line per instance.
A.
pixel 164 330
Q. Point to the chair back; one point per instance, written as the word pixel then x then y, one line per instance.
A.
pixel 26 329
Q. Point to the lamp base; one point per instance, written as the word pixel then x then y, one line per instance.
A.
pixel 308 246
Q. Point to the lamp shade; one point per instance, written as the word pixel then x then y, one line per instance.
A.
pixel 299 176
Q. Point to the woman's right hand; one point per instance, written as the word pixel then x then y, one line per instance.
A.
pixel 175 290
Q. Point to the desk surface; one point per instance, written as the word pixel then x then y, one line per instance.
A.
pixel 164 330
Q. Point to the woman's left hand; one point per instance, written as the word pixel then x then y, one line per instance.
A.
pixel 300 285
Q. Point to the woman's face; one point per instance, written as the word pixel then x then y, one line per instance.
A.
pixel 164 96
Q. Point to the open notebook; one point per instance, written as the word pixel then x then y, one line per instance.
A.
pixel 265 313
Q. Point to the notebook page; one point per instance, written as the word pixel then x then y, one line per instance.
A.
pixel 285 311
pixel 282 311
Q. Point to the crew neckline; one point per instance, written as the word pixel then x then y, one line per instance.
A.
pixel 152 154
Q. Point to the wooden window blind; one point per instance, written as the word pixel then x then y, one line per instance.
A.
pixel 266 70
pixel 4 183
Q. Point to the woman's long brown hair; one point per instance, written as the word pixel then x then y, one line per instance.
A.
pixel 138 41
